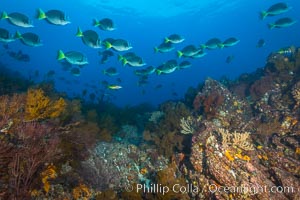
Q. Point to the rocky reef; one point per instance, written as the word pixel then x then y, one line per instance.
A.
pixel 248 146
pixel 235 139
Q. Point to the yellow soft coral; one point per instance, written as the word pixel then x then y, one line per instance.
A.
pixel 228 155
pixel 297 151
pixel 58 107
pixel 49 173
pixel 81 192
pixel 241 157
pixel 39 106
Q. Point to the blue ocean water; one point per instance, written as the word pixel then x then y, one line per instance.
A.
pixel 145 24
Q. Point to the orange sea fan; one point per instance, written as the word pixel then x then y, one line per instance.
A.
pixel 38 106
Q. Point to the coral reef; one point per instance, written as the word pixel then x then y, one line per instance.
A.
pixel 228 140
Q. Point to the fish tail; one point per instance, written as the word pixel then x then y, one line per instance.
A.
pixel 203 46
pixel 107 45
pixel 120 57
pixel 281 51
pixel 167 40
pixel 158 72
pixel 124 61
pixel 156 49
pixel 103 71
pixel 271 26
pixel 4 15
pixel 60 55
pixel 179 54
pixel 263 15
pixel 221 46
pixel 41 14
pixel 18 35
pixel 96 22
pixel 79 32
